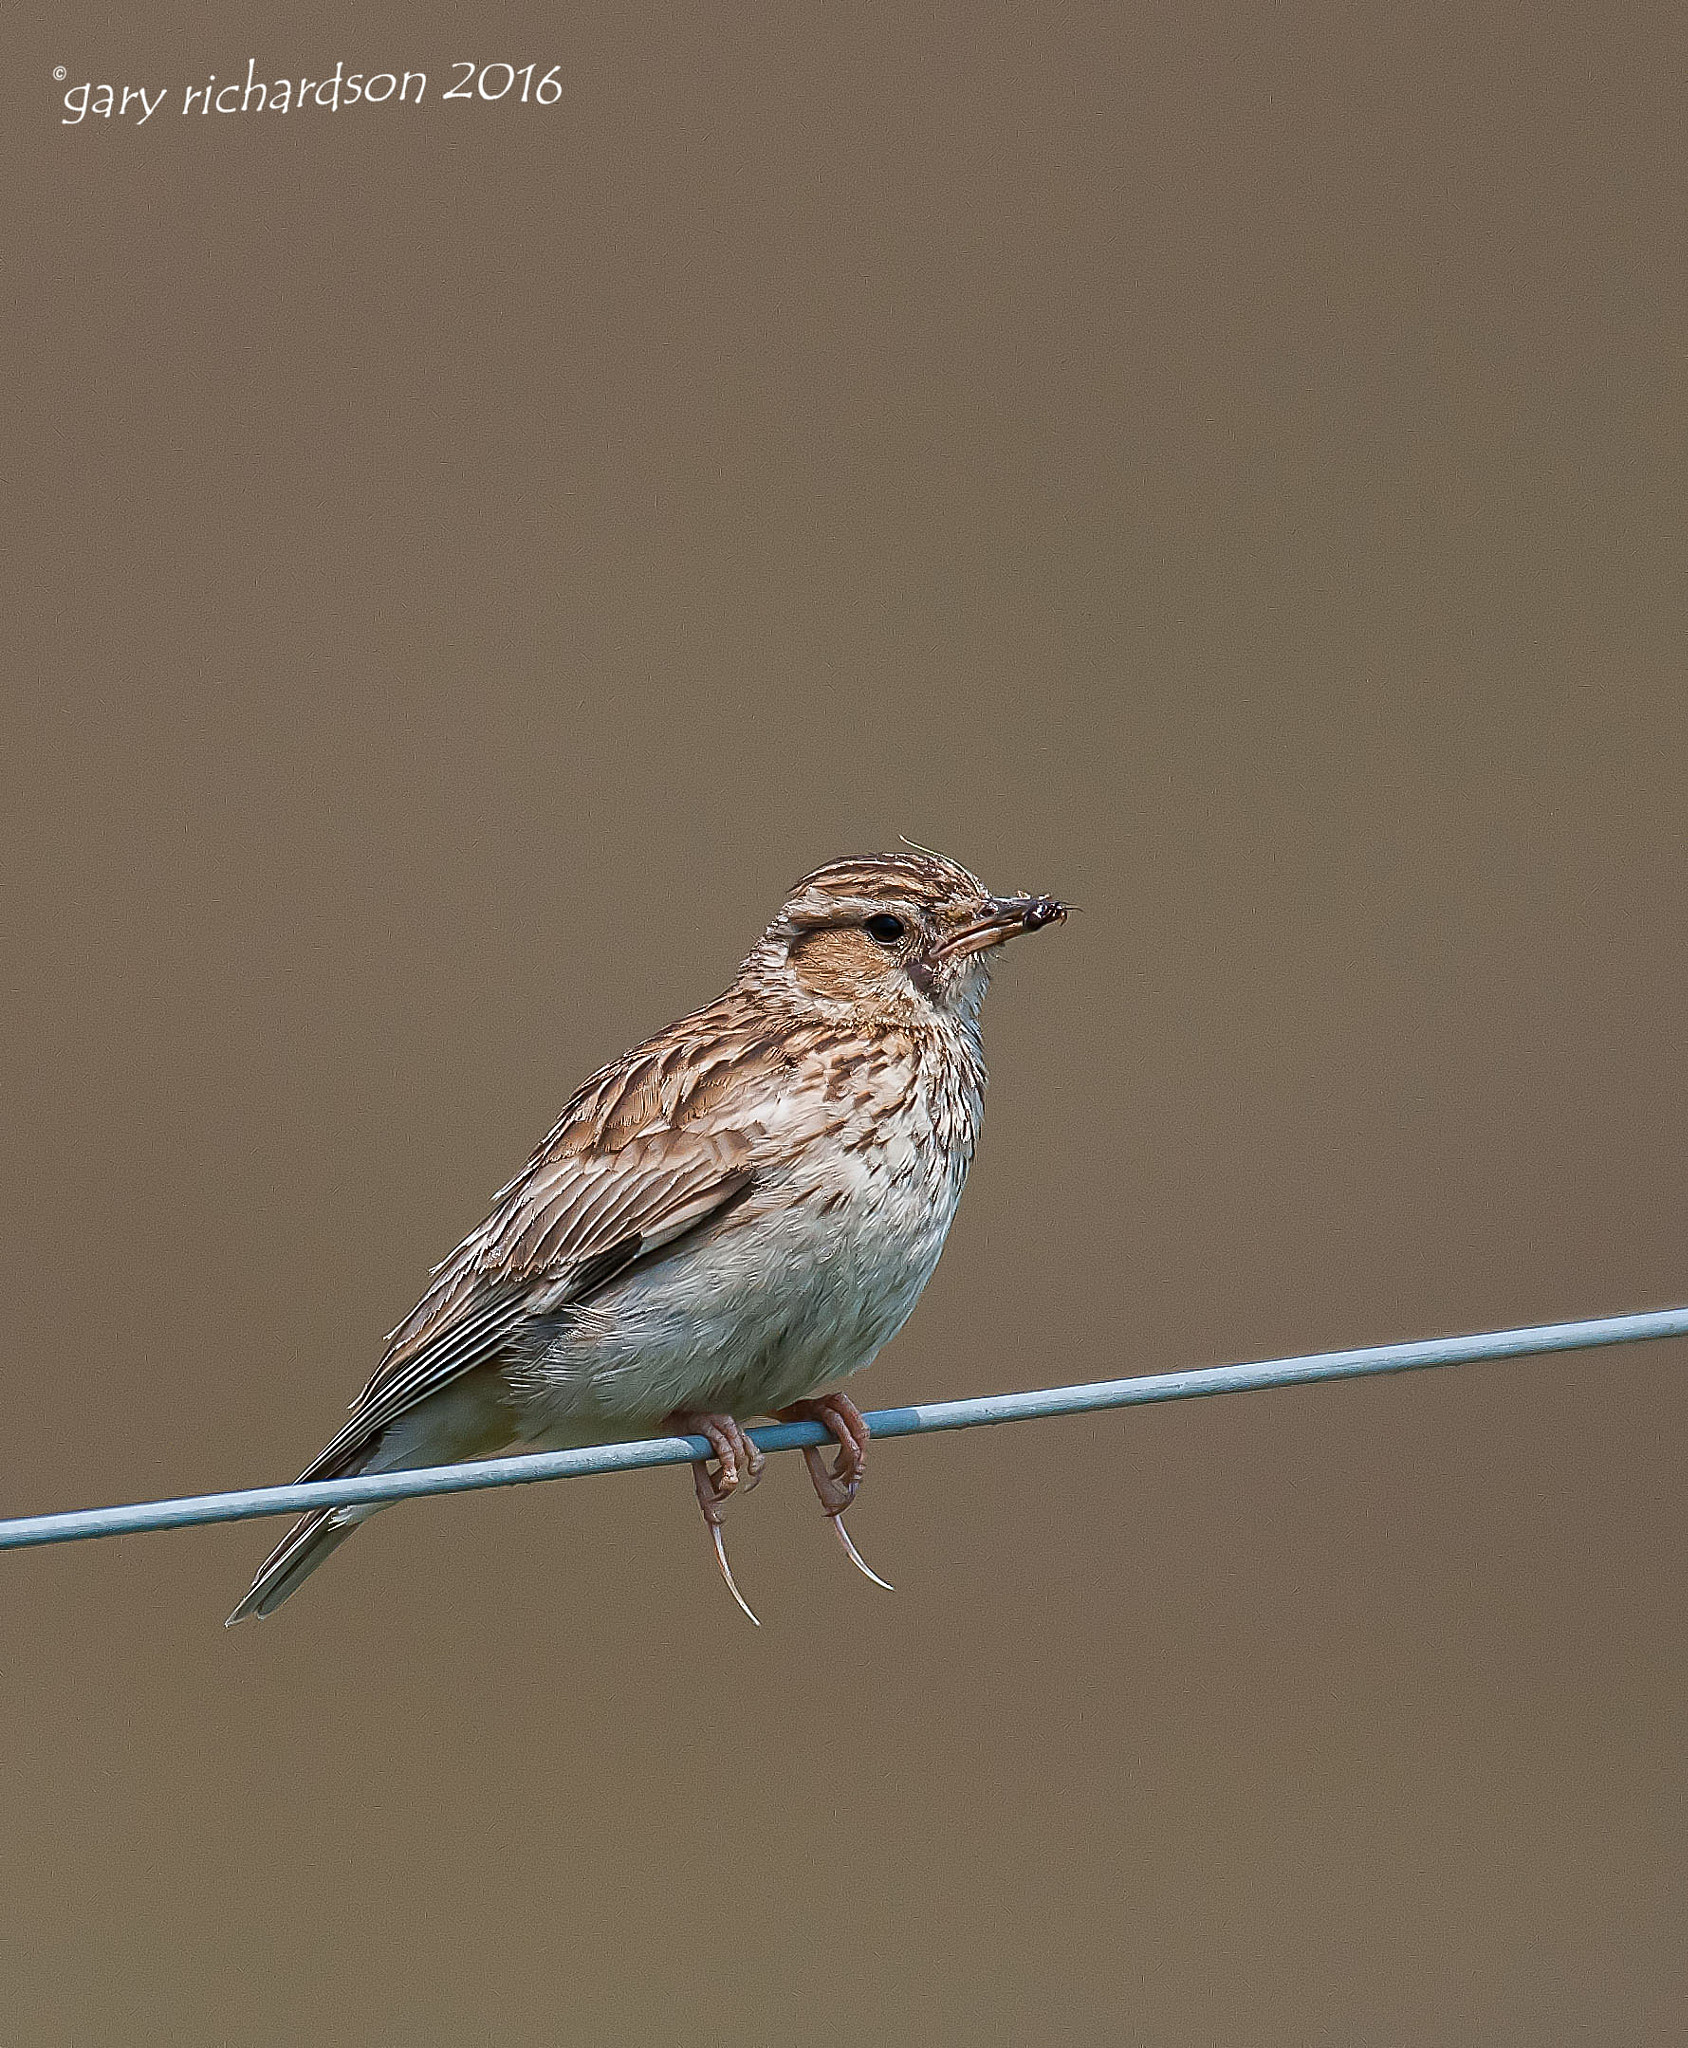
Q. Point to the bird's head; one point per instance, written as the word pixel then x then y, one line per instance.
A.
pixel 898 933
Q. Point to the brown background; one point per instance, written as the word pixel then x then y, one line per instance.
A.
pixel 1222 464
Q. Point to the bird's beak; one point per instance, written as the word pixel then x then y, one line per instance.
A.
pixel 1004 918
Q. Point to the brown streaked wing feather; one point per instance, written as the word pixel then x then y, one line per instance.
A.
pixel 558 1223
pixel 478 1332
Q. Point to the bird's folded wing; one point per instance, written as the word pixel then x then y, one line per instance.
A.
pixel 565 1227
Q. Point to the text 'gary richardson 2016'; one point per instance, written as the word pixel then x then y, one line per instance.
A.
pixel 521 85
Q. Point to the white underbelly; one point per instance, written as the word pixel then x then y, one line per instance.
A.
pixel 772 1307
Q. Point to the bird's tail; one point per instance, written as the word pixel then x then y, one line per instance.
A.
pixel 311 1541
pixel 466 1421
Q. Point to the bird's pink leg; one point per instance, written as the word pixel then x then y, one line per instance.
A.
pixel 836 1487
pixel 738 1466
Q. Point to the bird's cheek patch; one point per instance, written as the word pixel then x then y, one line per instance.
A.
pixel 838 960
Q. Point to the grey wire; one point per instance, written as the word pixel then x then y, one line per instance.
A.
pixel 250 1503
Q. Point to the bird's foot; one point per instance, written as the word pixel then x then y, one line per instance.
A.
pixel 738 1466
pixel 738 1463
pixel 836 1487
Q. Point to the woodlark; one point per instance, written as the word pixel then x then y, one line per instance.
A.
pixel 721 1222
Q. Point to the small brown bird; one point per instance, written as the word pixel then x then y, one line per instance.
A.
pixel 722 1221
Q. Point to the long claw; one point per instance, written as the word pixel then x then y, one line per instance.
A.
pixel 854 1556
pixel 727 1570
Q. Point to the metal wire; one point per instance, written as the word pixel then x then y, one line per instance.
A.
pixel 253 1502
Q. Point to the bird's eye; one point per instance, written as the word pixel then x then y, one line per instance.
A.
pixel 885 928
